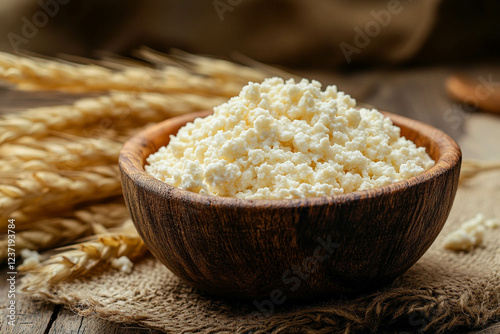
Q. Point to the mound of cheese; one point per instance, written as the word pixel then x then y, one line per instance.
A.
pixel 282 139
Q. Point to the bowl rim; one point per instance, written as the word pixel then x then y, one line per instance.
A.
pixel 133 167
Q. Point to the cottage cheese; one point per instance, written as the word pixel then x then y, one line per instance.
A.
pixel 471 234
pixel 30 258
pixel 280 140
pixel 123 264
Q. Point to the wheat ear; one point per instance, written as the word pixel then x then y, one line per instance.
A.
pixel 223 70
pixel 33 73
pixel 26 192
pixel 52 232
pixel 40 74
pixel 471 167
pixel 60 151
pixel 139 108
pixel 84 258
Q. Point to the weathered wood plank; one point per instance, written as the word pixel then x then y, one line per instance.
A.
pixel 31 317
pixel 68 322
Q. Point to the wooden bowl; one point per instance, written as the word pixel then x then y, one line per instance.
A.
pixel 291 249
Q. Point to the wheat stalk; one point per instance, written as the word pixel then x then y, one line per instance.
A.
pixel 138 108
pixel 59 151
pixel 109 215
pixel 26 193
pixel 57 158
pixel 52 232
pixel 41 74
pixel 84 258
pixel 215 68
pixel 471 167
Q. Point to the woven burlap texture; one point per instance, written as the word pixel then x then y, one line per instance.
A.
pixel 443 291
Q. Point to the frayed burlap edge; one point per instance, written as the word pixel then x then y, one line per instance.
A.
pixel 417 311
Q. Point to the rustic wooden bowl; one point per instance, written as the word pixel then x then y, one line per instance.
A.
pixel 291 249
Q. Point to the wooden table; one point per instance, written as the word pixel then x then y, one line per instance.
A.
pixel 416 92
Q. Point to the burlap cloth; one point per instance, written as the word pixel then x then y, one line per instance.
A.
pixel 443 291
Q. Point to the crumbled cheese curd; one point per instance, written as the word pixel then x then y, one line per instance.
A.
pixel 471 234
pixel 123 264
pixel 30 258
pixel 281 140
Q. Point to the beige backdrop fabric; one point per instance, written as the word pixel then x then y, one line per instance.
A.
pixel 285 32
pixel 444 290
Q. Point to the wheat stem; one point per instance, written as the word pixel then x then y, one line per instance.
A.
pixel 84 258
pixel 52 232
pixel 60 151
pixel 40 74
pixel 471 167
pixel 137 108
pixel 25 192
pixel 222 70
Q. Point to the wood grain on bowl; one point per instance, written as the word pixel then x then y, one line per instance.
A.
pixel 300 248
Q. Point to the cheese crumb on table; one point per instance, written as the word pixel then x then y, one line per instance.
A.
pixel 123 264
pixel 492 223
pixel 30 258
pixel 281 140
pixel 471 234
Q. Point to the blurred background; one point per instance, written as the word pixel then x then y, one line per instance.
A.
pixel 425 59
pixel 294 33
